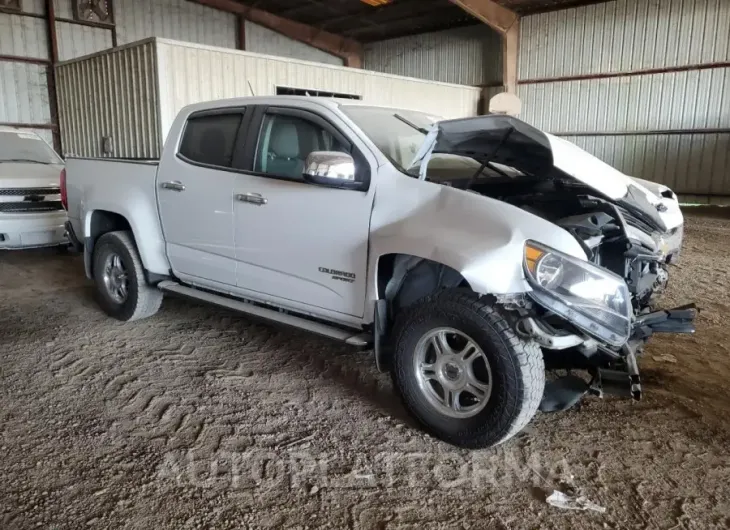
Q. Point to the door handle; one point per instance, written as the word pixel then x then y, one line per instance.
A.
pixel 252 198
pixel 174 185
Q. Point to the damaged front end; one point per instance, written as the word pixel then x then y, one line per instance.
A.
pixel 592 314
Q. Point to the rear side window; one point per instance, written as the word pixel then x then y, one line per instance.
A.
pixel 211 139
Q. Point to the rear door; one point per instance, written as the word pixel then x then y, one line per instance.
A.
pixel 302 245
pixel 195 192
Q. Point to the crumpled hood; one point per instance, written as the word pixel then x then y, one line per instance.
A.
pixel 511 142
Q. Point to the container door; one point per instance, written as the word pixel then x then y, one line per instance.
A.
pixel 195 193
pixel 300 244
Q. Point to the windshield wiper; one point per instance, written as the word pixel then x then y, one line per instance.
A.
pixel 411 124
pixel 23 160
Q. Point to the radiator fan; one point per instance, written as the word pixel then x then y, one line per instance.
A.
pixel 92 10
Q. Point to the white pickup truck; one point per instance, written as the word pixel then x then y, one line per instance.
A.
pixel 31 214
pixel 472 254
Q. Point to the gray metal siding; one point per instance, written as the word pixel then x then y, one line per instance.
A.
pixel 174 19
pixel 667 126
pixel 687 163
pixel 263 40
pixel 63 8
pixel 23 36
pixel 75 40
pixel 113 94
pixel 624 35
pixel 23 93
pixel 133 93
pixel 34 6
pixel 467 56
pixel 191 73
pixel 695 99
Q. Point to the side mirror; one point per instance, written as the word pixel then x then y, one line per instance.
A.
pixel 331 168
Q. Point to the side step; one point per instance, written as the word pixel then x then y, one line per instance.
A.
pixel 350 337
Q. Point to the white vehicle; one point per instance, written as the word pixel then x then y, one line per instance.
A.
pixel 31 214
pixel 471 254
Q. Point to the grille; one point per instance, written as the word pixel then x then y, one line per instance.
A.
pixel 30 207
pixel 30 191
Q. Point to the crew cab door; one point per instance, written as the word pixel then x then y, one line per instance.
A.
pixel 299 244
pixel 195 193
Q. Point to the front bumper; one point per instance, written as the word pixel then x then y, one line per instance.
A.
pixel 671 244
pixel 30 230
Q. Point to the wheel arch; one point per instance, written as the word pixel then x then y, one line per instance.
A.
pixel 402 279
pixel 150 248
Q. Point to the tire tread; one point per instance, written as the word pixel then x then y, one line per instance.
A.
pixel 528 373
pixel 149 299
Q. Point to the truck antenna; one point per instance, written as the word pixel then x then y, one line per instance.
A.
pixel 250 87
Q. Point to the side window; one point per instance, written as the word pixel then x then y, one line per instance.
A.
pixel 211 139
pixel 286 141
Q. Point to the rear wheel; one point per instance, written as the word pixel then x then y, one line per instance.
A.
pixel 122 290
pixel 463 373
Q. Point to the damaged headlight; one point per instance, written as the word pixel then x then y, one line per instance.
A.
pixel 590 297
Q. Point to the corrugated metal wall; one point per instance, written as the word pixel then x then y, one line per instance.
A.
pixel 112 94
pixel 192 73
pixel 23 81
pixel 263 40
pixel 75 40
pixel 24 93
pixel 694 164
pixel 470 55
pixel 23 36
pixel 644 85
pixel 174 19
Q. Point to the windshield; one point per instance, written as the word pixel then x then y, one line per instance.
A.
pixel 399 134
pixel 25 148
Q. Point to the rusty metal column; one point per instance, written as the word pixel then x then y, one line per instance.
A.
pixel 510 57
pixel 51 73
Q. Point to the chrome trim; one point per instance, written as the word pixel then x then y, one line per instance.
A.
pixel 174 185
pixel 252 198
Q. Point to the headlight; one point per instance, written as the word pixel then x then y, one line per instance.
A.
pixel 590 297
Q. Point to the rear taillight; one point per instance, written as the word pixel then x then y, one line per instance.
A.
pixel 64 195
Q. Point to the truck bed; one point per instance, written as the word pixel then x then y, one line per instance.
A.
pixel 126 188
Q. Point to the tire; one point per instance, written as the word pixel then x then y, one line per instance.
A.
pixel 141 300
pixel 515 369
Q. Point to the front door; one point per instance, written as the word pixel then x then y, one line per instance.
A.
pixel 298 242
pixel 195 190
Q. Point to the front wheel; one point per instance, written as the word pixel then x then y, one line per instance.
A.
pixel 463 373
pixel 122 289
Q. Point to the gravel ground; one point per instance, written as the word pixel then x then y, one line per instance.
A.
pixel 198 418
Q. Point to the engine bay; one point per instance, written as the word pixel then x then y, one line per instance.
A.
pixel 611 236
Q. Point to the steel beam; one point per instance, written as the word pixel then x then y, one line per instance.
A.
pixel 351 51
pixel 491 13
pixel 507 23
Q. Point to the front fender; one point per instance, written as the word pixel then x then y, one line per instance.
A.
pixel 480 237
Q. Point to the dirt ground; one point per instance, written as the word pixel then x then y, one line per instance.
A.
pixel 198 418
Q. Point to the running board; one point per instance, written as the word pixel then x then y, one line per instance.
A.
pixel 360 340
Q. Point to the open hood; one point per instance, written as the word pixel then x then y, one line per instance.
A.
pixel 511 142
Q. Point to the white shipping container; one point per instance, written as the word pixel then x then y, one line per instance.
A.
pixel 121 102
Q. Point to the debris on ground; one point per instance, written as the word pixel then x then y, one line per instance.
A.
pixel 665 358
pixel 566 502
